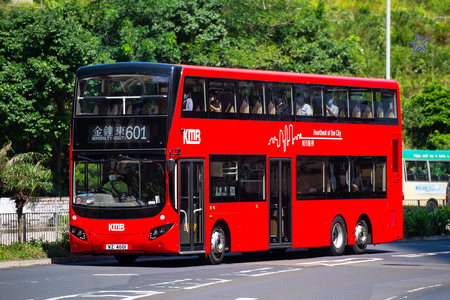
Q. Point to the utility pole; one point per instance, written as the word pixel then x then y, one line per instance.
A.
pixel 388 39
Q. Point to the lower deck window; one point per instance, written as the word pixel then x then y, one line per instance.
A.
pixel 340 177
pixel 237 178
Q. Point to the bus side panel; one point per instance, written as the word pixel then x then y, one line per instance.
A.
pixel 247 222
pixel 312 220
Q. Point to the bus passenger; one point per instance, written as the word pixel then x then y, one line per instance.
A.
pixel 187 102
pixel 214 104
pixel 332 109
pixel 304 108
pixel 115 186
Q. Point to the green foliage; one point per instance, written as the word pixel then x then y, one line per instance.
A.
pixel 426 118
pixel 40 51
pixel 36 249
pixel 419 221
pixel 58 248
pixel 21 251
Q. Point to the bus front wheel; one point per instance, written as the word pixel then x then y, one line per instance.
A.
pixel 338 236
pixel 218 246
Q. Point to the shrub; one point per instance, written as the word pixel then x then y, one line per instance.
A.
pixel 59 248
pixel 419 221
pixel 21 251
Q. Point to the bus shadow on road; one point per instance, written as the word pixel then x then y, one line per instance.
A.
pixel 230 258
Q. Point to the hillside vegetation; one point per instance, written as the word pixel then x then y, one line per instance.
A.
pixel 41 50
pixel 366 22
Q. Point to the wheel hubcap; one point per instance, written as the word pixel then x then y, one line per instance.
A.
pixel 360 235
pixel 217 242
pixel 338 236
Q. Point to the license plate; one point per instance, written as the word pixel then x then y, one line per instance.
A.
pixel 116 247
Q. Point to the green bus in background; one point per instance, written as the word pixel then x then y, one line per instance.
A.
pixel 425 177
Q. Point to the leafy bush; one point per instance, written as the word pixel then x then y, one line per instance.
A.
pixel 419 221
pixel 36 249
pixel 21 251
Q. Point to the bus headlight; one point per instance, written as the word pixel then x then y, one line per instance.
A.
pixel 78 232
pixel 158 231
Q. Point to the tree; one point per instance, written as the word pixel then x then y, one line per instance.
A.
pixel 24 177
pixel 40 52
pixel 426 118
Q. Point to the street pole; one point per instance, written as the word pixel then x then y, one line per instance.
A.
pixel 388 39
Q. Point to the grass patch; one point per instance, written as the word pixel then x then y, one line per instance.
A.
pixel 36 249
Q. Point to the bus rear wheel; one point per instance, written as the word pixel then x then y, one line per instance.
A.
pixel 338 236
pixel 218 246
pixel 361 238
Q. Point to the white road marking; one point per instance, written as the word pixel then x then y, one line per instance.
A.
pixel 110 275
pixel 246 299
pixel 254 270
pixel 274 272
pixel 170 282
pixel 414 255
pixel 216 281
pixel 424 288
pixel 132 295
pixel 340 262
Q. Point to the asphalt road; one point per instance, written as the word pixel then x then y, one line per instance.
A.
pixel 412 270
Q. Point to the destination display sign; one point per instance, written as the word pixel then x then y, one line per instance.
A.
pixel 120 133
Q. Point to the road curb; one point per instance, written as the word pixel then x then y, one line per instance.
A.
pixel 425 238
pixel 49 261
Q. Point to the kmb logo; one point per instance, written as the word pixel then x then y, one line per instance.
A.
pixel 117 227
pixel 191 136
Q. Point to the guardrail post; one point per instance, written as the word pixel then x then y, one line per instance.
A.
pixel 56 218
pixel 24 227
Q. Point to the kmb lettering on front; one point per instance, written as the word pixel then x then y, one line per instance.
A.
pixel 191 136
pixel 116 227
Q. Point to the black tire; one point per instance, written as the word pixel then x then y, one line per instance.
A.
pixel 125 258
pixel 361 238
pixel 431 205
pixel 218 246
pixel 338 237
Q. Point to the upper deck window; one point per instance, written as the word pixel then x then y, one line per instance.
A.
pixel 122 94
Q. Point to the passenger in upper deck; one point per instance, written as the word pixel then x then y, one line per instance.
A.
pixel 302 108
pixel 214 104
pixel 281 107
pixel 332 109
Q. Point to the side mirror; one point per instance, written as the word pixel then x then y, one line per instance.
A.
pixel 170 165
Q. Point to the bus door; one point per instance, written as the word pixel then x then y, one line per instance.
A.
pixel 192 201
pixel 280 202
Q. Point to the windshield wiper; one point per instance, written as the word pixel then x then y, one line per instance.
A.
pixel 89 159
pixel 127 157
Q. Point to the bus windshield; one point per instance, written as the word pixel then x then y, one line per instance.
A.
pixel 119 184
pixel 122 94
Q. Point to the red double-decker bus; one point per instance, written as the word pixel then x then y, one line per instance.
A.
pixel 188 160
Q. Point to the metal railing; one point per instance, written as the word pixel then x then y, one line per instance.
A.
pixel 45 226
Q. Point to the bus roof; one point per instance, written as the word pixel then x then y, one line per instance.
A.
pixel 426 154
pixel 292 77
pixel 242 74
